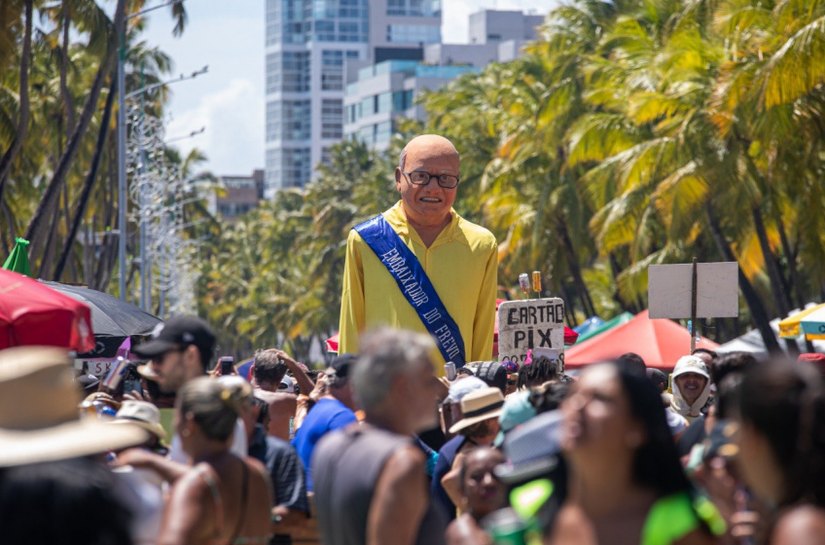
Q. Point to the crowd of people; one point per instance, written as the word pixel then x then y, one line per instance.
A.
pixel 379 449
pixel 176 448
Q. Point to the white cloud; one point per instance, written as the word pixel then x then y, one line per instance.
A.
pixel 229 99
pixel 234 121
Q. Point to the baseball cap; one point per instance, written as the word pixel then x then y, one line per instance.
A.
pixel 179 332
pixel 532 449
pixel 340 366
pixel 691 364
pixel 493 373
pixel 517 410
pixel 287 384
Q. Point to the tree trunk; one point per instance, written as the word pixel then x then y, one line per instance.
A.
pixel 23 120
pixel 777 284
pixel 575 269
pixel 4 205
pixel 616 270
pixel 795 284
pixel 758 314
pixel 107 259
pixel 568 308
pixel 88 183
pixel 65 94
pixel 34 232
pixel 783 302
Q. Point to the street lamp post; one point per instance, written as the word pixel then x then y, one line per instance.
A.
pixel 142 171
pixel 121 156
pixel 121 140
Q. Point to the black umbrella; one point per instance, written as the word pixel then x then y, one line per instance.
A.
pixel 113 320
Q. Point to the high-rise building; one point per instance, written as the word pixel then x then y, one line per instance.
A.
pixel 310 47
pixel 378 94
pixel 236 196
pixel 387 90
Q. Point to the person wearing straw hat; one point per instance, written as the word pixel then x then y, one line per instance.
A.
pixel 46 449
pixel 39 418
pixel 451 413
pixel 147 416
pixel 142 489
pixel 479 426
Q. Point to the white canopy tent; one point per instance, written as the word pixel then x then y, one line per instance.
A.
pixel 752 342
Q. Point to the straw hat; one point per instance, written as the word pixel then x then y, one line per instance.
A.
pixel 143 414
pixel 39 418
pixel 479 406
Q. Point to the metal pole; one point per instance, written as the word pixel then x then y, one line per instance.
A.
pixel 121 159
pixel 693 296
pixel 144 285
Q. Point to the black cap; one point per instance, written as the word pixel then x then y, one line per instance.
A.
pixel 179 332
pixel 493 373
pixel 340 366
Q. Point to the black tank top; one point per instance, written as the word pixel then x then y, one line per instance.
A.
pixel 345 470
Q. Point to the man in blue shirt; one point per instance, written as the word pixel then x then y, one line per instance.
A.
pixel 331 412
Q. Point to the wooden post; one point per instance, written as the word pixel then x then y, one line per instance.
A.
pixel 693 308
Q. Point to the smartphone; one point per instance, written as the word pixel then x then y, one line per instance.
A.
pixel 227 364
pixel 132 384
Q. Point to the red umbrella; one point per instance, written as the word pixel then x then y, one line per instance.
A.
pixel 659 342
pixel 32 313
pixel 570 336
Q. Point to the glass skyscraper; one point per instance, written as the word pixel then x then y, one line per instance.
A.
pixel 310 47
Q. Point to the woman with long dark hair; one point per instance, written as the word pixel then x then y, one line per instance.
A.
pixel 625 482
pixel 781 416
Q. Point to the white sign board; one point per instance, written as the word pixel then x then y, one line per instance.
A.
pixel 717 290
pixel 529 324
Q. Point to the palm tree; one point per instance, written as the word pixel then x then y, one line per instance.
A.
pixel 23 112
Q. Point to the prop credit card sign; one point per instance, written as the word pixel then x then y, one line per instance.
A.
pixel 529 324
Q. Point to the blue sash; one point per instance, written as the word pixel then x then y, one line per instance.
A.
pixel 414 284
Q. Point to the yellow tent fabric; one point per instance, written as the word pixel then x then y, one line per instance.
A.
pixel 790 326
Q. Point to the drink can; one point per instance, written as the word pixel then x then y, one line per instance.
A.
pixel 449 370
pixel 537 281
pixel 116 373
pixel 524 282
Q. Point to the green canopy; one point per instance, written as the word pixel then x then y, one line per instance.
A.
pixel 609 324
pixel 18 260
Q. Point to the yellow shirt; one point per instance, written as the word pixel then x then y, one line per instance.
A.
pixel 462 264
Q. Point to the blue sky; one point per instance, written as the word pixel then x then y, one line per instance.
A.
pixel 229 99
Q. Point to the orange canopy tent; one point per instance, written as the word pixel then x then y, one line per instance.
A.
pixel 659 342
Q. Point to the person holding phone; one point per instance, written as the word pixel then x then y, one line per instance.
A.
pixel 226 366
pixel 180 352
